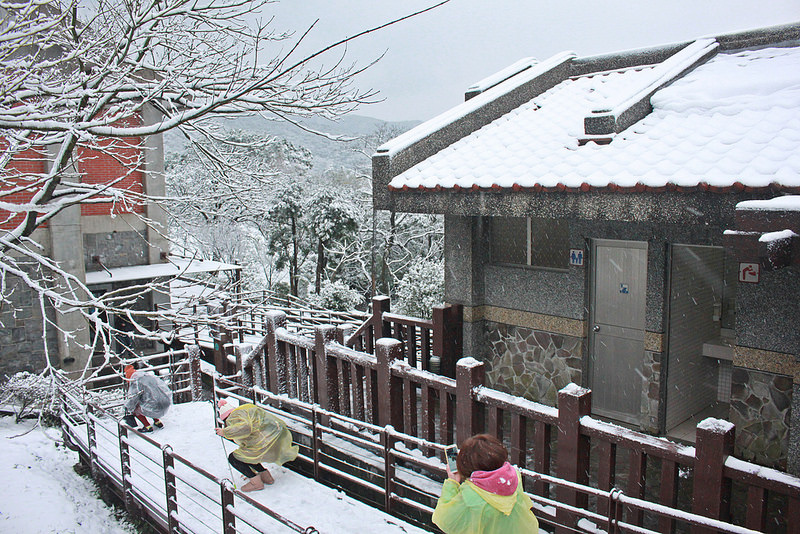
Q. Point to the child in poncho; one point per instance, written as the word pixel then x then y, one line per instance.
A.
pixel 261 437
pixel 148 396
pixel 485 495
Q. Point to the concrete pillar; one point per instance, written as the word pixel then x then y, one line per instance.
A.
pixel 155 186
pixel 66 248
pixel 466 253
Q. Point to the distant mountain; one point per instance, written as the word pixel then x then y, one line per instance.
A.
pixel 327 153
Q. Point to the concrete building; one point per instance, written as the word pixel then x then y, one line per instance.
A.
pixel 84 239
pixel 585 203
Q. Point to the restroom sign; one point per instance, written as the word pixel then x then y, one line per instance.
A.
pixel 576 256
pixel 749 272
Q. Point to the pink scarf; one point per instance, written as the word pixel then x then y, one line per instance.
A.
pixel 502 481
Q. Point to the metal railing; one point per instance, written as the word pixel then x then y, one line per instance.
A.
pixel 155 483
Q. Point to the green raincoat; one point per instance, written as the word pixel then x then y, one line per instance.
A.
pixel 467 509
pixel 261 436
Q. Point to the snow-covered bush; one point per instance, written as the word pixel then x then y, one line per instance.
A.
pixel 421 289
pixel 335 296
pixel 30 393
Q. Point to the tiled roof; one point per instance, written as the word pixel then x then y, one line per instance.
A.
pixel 731 123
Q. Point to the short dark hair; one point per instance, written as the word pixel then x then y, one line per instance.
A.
pixel 482 452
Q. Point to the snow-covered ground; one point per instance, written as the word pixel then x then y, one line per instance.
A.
pixel 41 493
pixel 36 469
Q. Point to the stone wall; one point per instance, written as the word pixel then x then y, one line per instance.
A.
pixel 22 344
pixel 530 363
pixel 115 249
pixel 761 410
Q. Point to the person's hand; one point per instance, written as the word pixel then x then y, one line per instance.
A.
pixel 220 431
pixel 455 476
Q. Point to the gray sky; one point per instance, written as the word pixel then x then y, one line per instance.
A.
pixel 431 59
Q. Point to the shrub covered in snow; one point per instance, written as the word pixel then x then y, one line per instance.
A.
pixel 421 289
pixel 335 296
pixel 30 393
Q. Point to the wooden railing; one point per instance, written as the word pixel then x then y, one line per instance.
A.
pixel 431 345
pixel 384 389
pixel 395 470
pixel 384 467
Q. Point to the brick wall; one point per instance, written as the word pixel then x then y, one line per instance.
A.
pixel 113 161
pixel 104 161
pixel 16 173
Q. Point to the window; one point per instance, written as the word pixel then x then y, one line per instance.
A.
pixel 533 242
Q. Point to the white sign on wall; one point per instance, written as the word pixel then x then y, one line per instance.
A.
pixel 749 272
pixel 576 256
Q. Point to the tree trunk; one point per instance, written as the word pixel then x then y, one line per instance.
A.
pixel 320 265
pixel 293 274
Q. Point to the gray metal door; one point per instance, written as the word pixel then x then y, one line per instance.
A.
pixel 617 327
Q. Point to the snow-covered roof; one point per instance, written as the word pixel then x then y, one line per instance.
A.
pixel 175 267
pixel 732 122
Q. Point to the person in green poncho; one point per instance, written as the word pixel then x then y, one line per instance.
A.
pixel 261 437
pixel 485 495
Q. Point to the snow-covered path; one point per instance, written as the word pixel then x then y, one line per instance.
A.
pixel 189 430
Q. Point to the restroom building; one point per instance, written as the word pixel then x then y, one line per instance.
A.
pixel 586 204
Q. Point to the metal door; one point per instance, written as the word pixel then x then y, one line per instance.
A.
pixel 617 327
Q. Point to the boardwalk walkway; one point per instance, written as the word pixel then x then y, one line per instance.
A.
pixel 189 431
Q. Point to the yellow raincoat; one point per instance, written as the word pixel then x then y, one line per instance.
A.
pixel 261 436
pixel 467 509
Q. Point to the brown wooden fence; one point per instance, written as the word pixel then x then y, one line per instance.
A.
pixel 385 389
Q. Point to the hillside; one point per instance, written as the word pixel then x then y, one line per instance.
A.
pixel 327 153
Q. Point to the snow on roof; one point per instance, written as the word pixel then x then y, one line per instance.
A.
pixel 175 267
pixel 732 121
pixel 770 237
pixel 784 203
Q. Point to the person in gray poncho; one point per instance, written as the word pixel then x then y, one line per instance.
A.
pixel 148 396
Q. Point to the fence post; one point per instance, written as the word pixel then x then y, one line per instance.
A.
pixel 448 337
pixel 228 517
pixel 327 379
pixel 274 319
pixel 91 438
pixel 195 374
pixel 390 409
pixel 125 467
pixel 343 331
pixel 712 491
pixel 380 305
pixel 572 463
pixel 245 373
pixel 170 490
pixel 470 373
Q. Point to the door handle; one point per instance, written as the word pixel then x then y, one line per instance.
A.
pixel 596 328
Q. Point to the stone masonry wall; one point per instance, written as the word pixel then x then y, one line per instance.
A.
pixel 761 410
pixel 22 344
pixel 530 363
pixel 115 249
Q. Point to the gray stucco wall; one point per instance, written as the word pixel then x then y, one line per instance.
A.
pixel 516 354
pixel 472 280
pixel 768 313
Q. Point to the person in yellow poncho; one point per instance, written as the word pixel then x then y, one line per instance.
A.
pixel 261 437
pixel 491 499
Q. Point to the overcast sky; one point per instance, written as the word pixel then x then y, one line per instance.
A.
pixel 431 59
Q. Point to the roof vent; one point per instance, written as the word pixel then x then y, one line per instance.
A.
pixel 634 104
